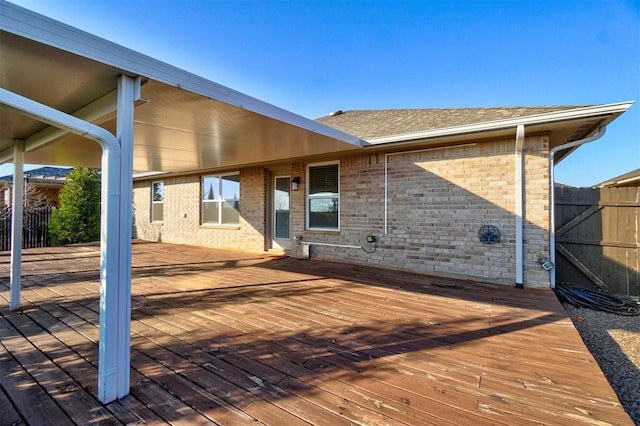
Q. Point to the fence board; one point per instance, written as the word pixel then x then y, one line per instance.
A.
pixel 598 233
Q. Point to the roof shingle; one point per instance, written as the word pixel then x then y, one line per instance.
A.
pixel 368 124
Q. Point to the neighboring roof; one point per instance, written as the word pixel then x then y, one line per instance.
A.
pixel 42 174
pixel 631 178
pixel 369 124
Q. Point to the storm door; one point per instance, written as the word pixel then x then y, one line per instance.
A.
pixel 281 228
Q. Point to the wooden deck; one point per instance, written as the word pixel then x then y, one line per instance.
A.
pixel 233 338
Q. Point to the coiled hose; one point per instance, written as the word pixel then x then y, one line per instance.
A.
pixel 596 300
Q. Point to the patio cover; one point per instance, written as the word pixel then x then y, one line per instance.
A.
pixel 62 90
pixel 182 121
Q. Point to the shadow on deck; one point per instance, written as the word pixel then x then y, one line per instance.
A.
pixel 236 338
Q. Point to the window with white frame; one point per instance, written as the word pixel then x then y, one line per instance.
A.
pixel 221 199
pixel 323 196
pixel 157 201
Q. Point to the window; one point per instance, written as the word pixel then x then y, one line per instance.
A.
pixel 323 201
pixel 221 200
pixel 157 201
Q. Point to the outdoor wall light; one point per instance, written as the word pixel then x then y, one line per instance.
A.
pixel 294 183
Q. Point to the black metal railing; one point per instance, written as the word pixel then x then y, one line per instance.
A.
pixel 35 228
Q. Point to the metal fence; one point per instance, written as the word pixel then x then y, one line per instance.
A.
pixel 35 229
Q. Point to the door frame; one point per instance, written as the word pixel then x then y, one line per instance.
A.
pixel 278 243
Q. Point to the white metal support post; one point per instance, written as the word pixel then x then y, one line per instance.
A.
pixel 113 360
pixel 16 224
pixel 115 275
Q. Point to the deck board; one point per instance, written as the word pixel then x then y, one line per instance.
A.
pixel 224 337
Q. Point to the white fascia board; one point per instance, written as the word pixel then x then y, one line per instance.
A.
pixel 25 23
pixel 141 175
pixel 508 123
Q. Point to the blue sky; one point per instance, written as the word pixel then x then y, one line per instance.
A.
pixel 313 57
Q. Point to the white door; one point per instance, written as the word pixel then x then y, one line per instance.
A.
pixel 281 214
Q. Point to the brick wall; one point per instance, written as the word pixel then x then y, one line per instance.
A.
pixel 437 200
pixel 181 222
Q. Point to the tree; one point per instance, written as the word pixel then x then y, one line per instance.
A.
pixel 78 218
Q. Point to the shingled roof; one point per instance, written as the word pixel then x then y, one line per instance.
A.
pixel 367 124
pixel 43 174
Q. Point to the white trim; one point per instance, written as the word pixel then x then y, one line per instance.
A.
pixel 275 239
pixel 218 200
pixel 142 175
pixel 308 197
pixel 509 123
pixel 153 219
pixel 519 193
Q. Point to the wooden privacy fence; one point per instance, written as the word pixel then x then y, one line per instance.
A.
pixel 598 238
pixel 35 229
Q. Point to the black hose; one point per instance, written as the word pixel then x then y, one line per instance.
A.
pixel 596 300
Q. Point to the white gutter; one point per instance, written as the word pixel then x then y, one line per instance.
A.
pixel 552 219
pixel 519 207
pixel 113 364
pixel 529 120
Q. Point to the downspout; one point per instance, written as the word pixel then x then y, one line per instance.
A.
pixel 519 207
pixel 109 226
pixel 53 117
pixel 552 199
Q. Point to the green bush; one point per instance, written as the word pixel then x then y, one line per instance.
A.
pixel 77 220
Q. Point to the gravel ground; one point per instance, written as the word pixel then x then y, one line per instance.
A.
pixel 614 341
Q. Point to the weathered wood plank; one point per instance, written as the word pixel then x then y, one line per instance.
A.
pixel 577 220
pixel 288 367
pixel 598 243
pixel 288 342
pixel 68 393
pixel 582 267
pixel 8 413
pixel 128 411
pixel 33 402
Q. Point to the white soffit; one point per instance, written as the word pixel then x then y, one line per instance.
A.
pixel 189 123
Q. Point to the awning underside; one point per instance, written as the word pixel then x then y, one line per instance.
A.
pixel 176 130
